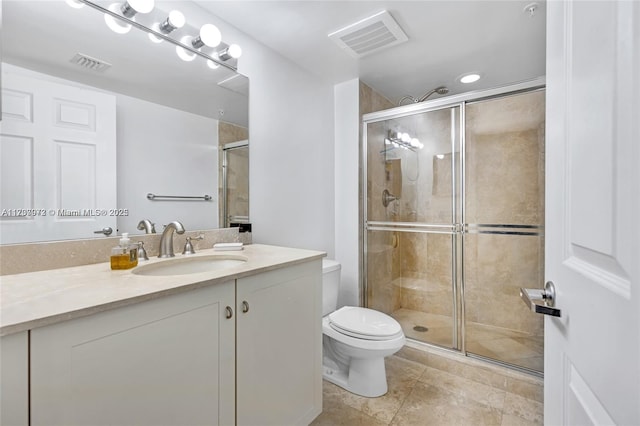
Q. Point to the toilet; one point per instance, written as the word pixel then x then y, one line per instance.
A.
pixel 355 340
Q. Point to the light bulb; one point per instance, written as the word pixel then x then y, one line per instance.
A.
pixel 116 25
pixel 232 51
pixel 183 53
pixel 406 137
pixel 212 64
pixel 209 35
pixel 415 142
pixel 75 4
pixel 130 7
pixel 174 21
pixel 154 38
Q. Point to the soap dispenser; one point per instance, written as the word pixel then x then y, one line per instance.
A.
pixel 125 255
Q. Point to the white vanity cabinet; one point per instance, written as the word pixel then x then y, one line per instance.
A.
pixel 247 351
pixel 14 379
pixel 279 346
pixel 167 361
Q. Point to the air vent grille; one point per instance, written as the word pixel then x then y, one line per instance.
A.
pixel 86 61
pixel 369 35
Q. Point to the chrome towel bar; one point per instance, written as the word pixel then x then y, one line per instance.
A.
pixel 154 197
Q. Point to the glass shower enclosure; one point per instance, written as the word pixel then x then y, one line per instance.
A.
pixel 454 219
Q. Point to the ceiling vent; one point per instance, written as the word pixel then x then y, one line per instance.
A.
pixel 369 35
pixel 88 62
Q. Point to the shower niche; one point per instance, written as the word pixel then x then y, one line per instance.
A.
pixel 454 220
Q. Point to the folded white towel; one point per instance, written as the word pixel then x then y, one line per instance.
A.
pixel 227 246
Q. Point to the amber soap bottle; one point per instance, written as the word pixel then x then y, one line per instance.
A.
pixel 125 255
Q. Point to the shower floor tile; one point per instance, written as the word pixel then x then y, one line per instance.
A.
pixel 439 328
pixel 502 344
pixel 427 388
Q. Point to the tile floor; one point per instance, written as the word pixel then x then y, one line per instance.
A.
pixel 439 388
pixel 510 346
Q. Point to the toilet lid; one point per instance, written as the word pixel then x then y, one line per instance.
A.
pixel 364 323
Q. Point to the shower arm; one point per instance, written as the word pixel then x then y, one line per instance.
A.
pixel 426 95
pixel 411 98
pixel 441 90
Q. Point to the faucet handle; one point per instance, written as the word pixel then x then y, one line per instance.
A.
pixel 188 247
pixel 147 226
pixel 142 253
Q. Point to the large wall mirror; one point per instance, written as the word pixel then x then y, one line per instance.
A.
pixel 93 121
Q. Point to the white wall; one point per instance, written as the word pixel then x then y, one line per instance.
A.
pixel 291 144
pixel 347 209
pixel 165 151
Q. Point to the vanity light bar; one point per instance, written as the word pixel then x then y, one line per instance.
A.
pixel 160 31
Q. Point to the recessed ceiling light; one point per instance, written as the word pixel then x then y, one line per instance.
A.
pixel 469 78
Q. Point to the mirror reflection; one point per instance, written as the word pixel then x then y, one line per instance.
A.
pixel 94 121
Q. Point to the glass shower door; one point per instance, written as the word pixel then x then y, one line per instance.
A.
pixel 410 236
pixel 504 227
pixel 235 183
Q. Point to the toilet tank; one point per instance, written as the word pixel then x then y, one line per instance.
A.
pixel 330 285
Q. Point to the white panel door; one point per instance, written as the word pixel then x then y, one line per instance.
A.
pixel 592 352
pixel 58 158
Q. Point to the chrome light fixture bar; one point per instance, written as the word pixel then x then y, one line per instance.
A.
pixel 401 140
pixel 186 44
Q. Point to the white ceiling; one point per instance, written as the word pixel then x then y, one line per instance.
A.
pixel 498 39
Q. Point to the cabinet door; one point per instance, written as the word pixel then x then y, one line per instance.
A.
pixel 14 379
pixel 168 361
pixel 279 346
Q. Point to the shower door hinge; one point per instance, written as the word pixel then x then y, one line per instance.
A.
pixel 458 228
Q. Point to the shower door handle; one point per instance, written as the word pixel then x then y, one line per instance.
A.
pixel 541 301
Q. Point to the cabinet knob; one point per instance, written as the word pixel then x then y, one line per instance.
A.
pixel 245 306
pixel 229 312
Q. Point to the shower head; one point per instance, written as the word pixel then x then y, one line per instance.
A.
pixel 439 90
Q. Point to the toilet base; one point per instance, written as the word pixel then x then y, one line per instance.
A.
pixel 365 377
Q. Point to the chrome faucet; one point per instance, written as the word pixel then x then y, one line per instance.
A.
pixel 166 241
pixel 146 226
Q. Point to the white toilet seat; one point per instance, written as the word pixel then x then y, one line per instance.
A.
pixel 356 342
pixel 363 323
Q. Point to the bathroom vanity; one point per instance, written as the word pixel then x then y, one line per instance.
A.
pixel 239 345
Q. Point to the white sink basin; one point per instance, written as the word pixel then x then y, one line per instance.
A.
pixel 193 265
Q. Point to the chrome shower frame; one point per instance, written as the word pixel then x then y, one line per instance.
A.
pixel 457 229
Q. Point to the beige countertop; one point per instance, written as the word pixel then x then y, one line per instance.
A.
pixel 37 299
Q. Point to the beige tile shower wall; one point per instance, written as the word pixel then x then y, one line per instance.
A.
pixel 228 133
pixel 383 268
pixel 505 160
pixel 505 185
pixel 427 273
pixel 496 266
